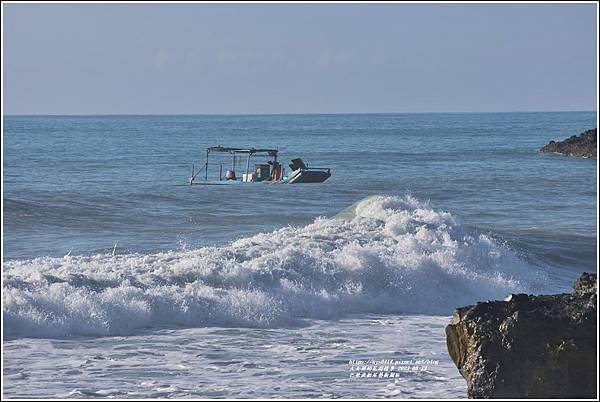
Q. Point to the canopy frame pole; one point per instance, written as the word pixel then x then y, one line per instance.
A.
pixel 248 166
pixel 206 166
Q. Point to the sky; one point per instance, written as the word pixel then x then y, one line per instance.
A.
pixel 298 58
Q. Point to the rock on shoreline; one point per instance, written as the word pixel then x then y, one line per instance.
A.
pixel 583 145
pixel 529 346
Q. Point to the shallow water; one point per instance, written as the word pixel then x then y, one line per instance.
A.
pixel 123 281
pixel 309 362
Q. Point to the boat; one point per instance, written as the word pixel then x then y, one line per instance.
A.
pixel 267 172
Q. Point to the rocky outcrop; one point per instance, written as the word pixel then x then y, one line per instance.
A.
pixel 583 145
pixel 529 346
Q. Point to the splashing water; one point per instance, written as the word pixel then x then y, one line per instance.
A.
pixel 382 255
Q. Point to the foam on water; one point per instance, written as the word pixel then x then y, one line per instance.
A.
pixel 383 255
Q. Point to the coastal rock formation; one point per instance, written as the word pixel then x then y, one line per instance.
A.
pixel 583 145
pixel 529 346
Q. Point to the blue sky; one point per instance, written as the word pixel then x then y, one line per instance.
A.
pixel 298 58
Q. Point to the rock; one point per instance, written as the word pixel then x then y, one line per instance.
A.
pixel 529 346
pixel 583 145
pixel 585 284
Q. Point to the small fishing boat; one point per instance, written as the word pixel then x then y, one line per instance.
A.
pixel 268 172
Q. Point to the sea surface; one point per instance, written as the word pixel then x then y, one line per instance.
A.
pixel 122 280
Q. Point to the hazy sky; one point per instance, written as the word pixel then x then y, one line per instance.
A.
pixel 298 58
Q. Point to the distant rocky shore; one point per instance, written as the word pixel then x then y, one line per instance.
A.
pixel 529 346
pixel 583 145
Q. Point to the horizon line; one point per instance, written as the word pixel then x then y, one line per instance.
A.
pixel 285 113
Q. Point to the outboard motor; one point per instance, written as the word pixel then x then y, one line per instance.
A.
pixel 297 164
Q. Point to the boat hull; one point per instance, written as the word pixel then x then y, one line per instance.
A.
pixel 309 176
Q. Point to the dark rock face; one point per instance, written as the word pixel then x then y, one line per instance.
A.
pixel 529 346
pixel 583 145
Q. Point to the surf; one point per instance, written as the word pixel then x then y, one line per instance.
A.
pixel 384 255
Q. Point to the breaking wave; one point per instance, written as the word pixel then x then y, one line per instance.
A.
pixel 382 255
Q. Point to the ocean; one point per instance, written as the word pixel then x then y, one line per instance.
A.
pixel 122 280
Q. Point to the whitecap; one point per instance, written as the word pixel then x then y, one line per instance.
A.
pixel 382 255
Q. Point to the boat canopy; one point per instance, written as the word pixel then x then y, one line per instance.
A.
pixel 233 150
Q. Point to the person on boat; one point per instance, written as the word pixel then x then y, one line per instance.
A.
pixel 276 171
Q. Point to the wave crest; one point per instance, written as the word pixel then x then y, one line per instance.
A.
pixel 382 255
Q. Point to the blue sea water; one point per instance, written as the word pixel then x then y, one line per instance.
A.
pixel 105 244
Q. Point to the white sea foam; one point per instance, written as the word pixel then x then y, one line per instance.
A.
pixel 383 255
